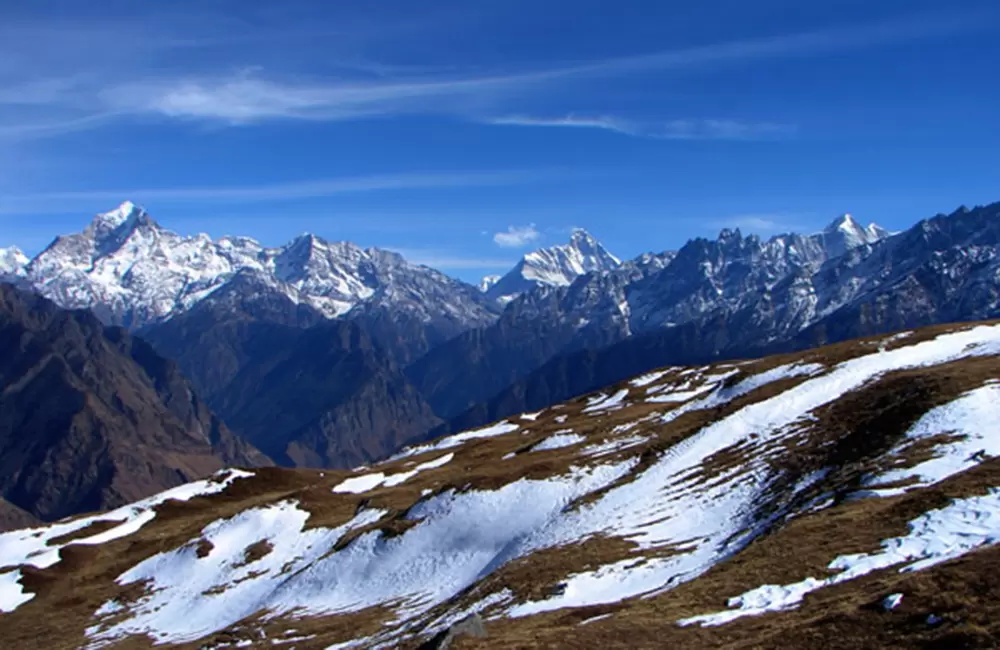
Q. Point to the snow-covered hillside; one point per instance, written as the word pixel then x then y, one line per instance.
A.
pixel 813 494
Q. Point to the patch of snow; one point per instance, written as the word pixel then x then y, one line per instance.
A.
pixel 398 479
pixel 646 380
pixel 459 538
pixel 12 595
pixel 402 477
pixel 722 395
pixel 498 429
pixel 561 419
pixel 609 446
pixel 434 464
pixel 935 537
pixel 292 639
pixel 177 609
pixel 670 397
pixel 479 606
pixel 32 546
pixel 360 484
pixel 531 417
pixel 605 403
pixel 670 504
pixel 892 601
pixel 973 417
pixel 558 441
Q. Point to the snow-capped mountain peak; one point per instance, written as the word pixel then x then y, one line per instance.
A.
pixel 125 214
pixel 132 271
pixel 556 266
pixel 12 261
pixel 488 281
pixel 844 233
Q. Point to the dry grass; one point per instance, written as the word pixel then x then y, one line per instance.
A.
pixel 851 435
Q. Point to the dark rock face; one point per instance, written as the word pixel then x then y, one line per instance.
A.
pixel 328 397
pixel 92 418
pixel 543 323
pixel 310 391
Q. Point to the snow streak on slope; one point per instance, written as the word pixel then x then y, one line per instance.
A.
pixel 12 595
pixel 973 418
pixel 460 539
pixel 177 609
pixel 670 505
pixel 934 537
pixel 624 500
pixel 32 545
pixel 498 429
pixel 368 482
pixel 559 441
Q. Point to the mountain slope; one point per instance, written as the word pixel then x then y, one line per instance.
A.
pixel 543 323
pixel 328 396
pixel 308 391
pixel 845 497
pixel 92 418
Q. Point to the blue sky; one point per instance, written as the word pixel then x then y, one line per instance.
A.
pixel 463 132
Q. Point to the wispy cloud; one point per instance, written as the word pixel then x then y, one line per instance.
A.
pixel 700 129
pixel 517 236
pixel 120 80
pixel 29 203
pixel 445 260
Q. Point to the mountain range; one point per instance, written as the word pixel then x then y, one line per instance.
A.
pixel 351 352
pixel 843 497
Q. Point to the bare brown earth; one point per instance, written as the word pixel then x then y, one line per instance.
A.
pixel 851 436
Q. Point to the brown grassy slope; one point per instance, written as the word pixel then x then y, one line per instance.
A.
pixel 851 435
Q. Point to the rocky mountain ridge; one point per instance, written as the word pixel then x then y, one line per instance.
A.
pixel 133 272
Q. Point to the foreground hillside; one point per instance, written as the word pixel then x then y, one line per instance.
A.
pixel 845 497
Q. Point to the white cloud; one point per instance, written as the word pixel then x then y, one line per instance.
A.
pixel 57 66
pixel 517 236
pixel 699 129
pixel 28 203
